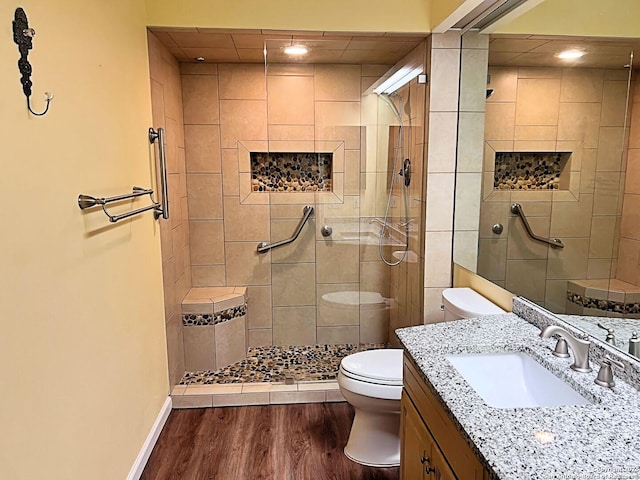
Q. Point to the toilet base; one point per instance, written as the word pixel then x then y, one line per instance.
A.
pixel 374 440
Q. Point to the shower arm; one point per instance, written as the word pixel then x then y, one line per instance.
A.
pixel 264 247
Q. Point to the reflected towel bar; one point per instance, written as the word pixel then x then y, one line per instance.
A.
pixel 516 209
pixel 264 247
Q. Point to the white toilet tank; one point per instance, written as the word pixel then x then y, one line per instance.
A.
pixel 467 303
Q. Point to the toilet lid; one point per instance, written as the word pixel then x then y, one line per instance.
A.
pixel 379 366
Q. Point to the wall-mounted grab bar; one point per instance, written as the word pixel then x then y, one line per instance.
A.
pixel 159 209
pixel 153 136
pixel 516 209
pixel 264 247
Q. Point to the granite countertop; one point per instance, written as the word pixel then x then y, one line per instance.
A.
pixel 596 441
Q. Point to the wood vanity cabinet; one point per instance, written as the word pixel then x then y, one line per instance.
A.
pixel 432 448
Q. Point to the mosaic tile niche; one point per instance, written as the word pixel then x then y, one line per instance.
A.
pixel 531 170
pixel 291 172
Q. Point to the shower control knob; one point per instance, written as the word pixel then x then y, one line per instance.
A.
pixel 497 228
pixel 326 231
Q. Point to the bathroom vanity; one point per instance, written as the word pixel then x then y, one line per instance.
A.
pixel 448 431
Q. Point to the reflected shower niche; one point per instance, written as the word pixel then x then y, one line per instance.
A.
pixel 531 171
pixel 291 172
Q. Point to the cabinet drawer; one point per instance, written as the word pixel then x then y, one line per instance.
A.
pixel 457 451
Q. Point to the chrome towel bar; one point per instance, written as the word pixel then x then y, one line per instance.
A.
pixel 516 209
pixel 159 209
pixel 264 247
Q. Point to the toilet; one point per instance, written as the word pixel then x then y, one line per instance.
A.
pixel 464 302
pixel 371 381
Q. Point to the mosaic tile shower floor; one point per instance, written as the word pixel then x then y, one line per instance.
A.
pixel 307 363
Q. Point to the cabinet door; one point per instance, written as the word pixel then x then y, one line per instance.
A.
pixel 442 471
pixel 414 443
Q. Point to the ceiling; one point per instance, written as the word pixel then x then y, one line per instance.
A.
pixel 246 46
pixel 540 50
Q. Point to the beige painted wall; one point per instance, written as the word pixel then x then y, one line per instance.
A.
pixel 83 344
pixel 333 15
pixel 608 18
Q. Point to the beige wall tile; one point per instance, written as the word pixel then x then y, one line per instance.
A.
pixel 473 80
pixel 296 397
pixel 582 85
pixel 628 260
pixel 198 68
pixel 500 121
pixel 231 345
pixel 207 242
pixel 205 196
pixel 437 270
pixel 468 194
pixel 245 222
pixel 374 277
pixel 199 348
pixel 537 102
pixel 230 180
pixel 614 103
pixel 579 122
pixel 244 266
pixel 175 348
pixel 470 141
pixel 242 120
pixel 294 284
pixel 341 309
pixel 634 134
pixel 202 144
pixel 290 100
pixel 208 275
pixel 374 325
pixel 200 98
pixel 527 278
pixel 445 67
pixel 337 262
pixel 337 335
pixel 504 81
pixel 520 245
pixel 301 250
pixel 259 307
pixel 442 142
pixel 633 171
pixel 569 262
pixel 602 236
pixel 605 200
pixel 260 337
pixel 291 132
pixel 242 81
pixel 600 268
pixel 630 223
pixel 432 302
pixel 572 219
pixel 555 296
pixel 331 114
pixel 609 149
pixel 337 82
pixel 294 325
pixel 492 258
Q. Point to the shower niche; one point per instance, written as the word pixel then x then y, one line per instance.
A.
pixel 291 172
pixel 531 170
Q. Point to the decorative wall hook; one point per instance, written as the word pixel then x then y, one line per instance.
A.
pixel 23 36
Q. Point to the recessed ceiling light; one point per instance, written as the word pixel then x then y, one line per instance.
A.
pixel 570 54
pixel 296 50
pixel 199 59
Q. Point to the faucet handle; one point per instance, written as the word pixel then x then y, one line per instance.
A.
pixel 605 375
pixel 561 350
pixel 610 338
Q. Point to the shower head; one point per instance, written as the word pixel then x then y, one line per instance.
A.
pixel 387 98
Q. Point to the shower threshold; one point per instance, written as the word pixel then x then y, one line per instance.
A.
pixel 269 375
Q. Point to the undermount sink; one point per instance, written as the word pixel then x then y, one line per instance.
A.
pixel 514 380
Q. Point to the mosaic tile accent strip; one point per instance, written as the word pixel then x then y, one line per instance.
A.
pixel 529 170
pixel 306 363
pixel 200 319
pixel 291 172
pixel 604 305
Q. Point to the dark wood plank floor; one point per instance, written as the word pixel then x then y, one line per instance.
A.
pixel 281 442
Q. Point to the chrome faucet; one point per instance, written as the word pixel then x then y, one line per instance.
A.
pixel 580 348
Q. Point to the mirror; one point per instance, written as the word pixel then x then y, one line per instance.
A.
pixel 561 140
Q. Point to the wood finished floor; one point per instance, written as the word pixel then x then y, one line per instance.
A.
pixel 280 442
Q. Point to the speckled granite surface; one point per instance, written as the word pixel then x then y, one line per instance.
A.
pixel 597 441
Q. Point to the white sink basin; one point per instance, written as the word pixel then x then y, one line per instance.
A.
pixel 514 380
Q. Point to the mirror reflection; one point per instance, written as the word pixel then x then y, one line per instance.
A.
pixel 558 209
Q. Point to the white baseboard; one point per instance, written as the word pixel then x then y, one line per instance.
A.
pixel 150 442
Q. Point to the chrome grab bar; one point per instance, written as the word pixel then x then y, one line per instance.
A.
pixel 163 208
pixel 264 247
pixel 516 209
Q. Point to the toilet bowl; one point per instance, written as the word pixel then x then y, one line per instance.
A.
pixel 463 302
pixel 371 381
